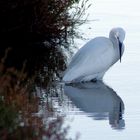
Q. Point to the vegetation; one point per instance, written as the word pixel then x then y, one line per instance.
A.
pixel 38 20
pixel 32 34
pixel 37 29
pixel 19 107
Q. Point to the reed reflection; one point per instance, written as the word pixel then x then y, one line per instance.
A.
pixel 98 101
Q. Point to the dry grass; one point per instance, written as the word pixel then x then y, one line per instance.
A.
pixel 19 106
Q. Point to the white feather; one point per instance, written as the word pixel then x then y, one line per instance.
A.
pixel 94 58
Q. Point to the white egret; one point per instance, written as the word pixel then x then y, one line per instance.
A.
pixel 96 57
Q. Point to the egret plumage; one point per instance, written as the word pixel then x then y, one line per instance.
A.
pixel 96 57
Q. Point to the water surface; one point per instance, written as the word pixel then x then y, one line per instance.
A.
pixel 109 110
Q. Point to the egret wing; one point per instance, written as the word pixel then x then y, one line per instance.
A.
pixel 93 58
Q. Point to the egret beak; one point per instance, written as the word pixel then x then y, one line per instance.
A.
pixel 120 50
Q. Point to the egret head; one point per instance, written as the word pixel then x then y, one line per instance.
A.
pixel 119 35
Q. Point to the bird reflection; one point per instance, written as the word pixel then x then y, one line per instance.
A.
pixel 98 101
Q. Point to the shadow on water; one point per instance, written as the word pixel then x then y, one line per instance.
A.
pixel 99 101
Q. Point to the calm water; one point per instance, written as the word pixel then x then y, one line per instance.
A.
pixel 109 110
